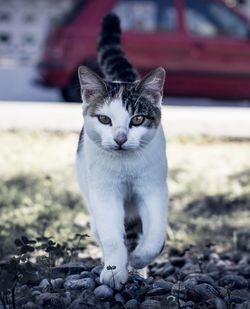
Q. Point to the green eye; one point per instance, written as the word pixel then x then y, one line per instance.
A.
pixel 137 120
pixel 104 119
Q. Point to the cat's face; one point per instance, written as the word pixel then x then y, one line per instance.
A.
pixel 121 116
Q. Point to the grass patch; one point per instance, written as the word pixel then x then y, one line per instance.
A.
pixel 209 184
pixel 38 191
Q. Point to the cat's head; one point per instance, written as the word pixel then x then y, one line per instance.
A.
pixel 120 115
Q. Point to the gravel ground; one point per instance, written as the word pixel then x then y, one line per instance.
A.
pixel 183 280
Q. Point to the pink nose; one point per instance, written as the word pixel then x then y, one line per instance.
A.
pixel 120 139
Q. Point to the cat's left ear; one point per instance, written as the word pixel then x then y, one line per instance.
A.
pixel 152 85
pixel 92 85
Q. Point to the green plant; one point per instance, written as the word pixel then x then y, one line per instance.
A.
pixel 76 246
pixel 52 251
pixel 18 269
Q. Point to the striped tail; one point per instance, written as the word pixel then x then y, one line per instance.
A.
pixel 112 60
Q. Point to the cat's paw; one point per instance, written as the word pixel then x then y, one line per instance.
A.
pixel 143 255
pixel 139 259
pixel 114 277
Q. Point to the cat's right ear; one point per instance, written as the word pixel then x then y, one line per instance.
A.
pixel 92 85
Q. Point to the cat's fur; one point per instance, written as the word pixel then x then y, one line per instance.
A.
pixel 122 168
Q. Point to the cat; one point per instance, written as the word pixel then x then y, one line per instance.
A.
pixel 121 158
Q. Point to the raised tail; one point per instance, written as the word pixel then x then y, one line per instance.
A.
pixel 112 60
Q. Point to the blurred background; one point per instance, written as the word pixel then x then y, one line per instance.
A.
pixel 205 48
pixel 42 43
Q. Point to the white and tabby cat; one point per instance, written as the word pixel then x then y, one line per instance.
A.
pixel 121 161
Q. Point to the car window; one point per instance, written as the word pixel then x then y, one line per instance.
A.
pixel 211 19
pixel 69 16
pixel 147 15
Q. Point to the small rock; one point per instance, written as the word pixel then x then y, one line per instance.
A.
pixel 57 283
pixel 73 277
pixel 216 275
pixel 85 300
pixel 223 292
pixel 68 298
pixel 24 289
pixel 135 278
pixel 189 303
pixel 132 304
pixel 103 305
pixel 167 270
pixel 220 304
pixel 178 261
pixel 30 305
pixel 211 267
pixel 44 285
pixel 161 283
pixel 201 278
pixel 87 274
pixel 150 280
pixel 171 279
pixel 244 293
pixel 236 299
pixel 233 282
pixel 103 291
pixel 20 301
pixel 85 283
pixel 245 305
pixel 189 283
pixel 245 271
pixel 36 293
pixel 97 270
pixel 89 296
pixel 157 291
pixel 69 268
pixel 189 268
pixel 202 292
pixel 119 298
pixel 49 299
pixel 77 303
pixel 216 303
pixel 214 257
pixel 222 265
pixel 151 304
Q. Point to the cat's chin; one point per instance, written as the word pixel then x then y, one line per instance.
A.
pixel 119 150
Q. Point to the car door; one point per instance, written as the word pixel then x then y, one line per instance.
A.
pixel 218 58
pixel 151 35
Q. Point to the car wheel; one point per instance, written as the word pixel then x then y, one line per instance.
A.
pixel 71 92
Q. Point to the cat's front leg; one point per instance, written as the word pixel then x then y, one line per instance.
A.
pixel 153 212
pixel 108 215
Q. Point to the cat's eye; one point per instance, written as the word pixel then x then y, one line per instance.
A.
pixel 137 120
pixel 104 119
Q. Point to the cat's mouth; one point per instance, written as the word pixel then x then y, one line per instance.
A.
pixel 120 148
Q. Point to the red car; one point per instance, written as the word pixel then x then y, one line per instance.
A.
pixel 203 44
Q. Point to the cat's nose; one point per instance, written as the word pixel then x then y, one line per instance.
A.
pixel 120 139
